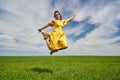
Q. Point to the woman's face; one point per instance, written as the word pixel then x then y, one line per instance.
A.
pixel 57 16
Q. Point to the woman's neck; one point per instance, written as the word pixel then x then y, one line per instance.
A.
pixel 57 18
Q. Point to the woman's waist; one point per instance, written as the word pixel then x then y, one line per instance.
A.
pixel 57 29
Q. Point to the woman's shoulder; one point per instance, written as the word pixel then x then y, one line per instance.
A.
pixel 52 22
pixel 65 21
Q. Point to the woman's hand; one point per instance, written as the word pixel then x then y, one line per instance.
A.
pixel 39 30
pixel 75 14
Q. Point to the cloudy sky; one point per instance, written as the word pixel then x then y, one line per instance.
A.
pixel 94 31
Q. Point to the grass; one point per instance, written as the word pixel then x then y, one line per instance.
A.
pixel 60 68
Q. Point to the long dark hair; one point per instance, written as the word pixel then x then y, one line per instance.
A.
pixel 58 13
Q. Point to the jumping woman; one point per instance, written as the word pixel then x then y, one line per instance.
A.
pixel 56 39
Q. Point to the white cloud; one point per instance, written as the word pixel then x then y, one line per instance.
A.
pixel 97 42
pixel 6 38
pixel 18 28
pixel 76 30
pixel 21 21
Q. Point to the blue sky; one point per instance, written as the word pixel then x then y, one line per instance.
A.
pixel 94 31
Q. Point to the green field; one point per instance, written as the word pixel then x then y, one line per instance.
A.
pixel 60 68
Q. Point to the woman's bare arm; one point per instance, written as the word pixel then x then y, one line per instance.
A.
pixel 72 17
pixel 45 26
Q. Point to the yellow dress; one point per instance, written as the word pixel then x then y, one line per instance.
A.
pixel 57 37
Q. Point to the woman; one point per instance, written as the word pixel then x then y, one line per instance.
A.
pixel 56 39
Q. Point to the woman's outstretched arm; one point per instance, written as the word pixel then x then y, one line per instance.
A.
pixel 45 26
pixel 72 17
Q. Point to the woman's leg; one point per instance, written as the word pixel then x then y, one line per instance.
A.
pixel 46 38
pixel 48 43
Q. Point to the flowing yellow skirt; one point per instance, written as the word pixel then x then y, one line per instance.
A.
pixel 58 40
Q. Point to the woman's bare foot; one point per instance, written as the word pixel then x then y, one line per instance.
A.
pixel 53 51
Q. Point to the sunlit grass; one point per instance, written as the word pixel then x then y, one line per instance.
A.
pixel 60 68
